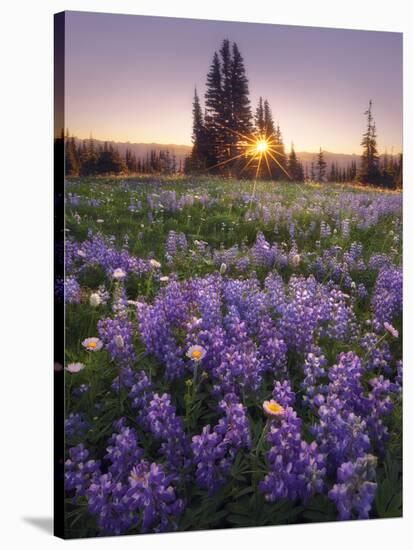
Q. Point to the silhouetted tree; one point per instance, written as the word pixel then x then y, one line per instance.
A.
pixel 214 117
pixel 71 157
pixel 321 166
pixel 259 119
pixel 369 168
pixel 295 168
pixel 333 173
pixel 199 156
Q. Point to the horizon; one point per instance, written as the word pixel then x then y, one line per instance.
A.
pixel 319 100
pixel 288 148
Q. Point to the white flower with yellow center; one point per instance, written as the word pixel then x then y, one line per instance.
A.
pixel 92 344
pixel 196 353
pixel 272 408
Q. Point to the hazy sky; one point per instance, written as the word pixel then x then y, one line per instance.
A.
pixel 131 78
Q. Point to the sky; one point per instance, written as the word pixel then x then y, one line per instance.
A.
pixel 132 78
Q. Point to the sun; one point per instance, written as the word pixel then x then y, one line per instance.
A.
pixel 261 146
pixel 256 149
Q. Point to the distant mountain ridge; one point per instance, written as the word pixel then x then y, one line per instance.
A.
pixel 142 149
pixel 342 160
pixel 181 151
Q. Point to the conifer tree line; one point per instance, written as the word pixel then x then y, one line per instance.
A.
pixel 219 128
pixel 89 158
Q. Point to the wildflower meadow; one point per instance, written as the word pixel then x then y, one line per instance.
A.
pixel 233 353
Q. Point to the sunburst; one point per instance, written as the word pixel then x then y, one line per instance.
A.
pixel 257 148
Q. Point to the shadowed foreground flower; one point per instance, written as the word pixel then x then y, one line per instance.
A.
pixel 95 299
pixel 272 408
pixel 119 274
pixel 355 489
pixel 92 344
pixel 75 367
pixel 196 353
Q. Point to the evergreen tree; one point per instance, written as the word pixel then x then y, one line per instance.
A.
pixel 213 112
pixel 109 160
pixel 259 119
pixel 321 166
pixel 241 108
pixel 398 173
pixel 279 166
pixel 353 171
pixel 295 168
pixel 71 158
pixel 199 154
pixel 312 170
pixel 333 173
pixel 269 125
pixel 369 169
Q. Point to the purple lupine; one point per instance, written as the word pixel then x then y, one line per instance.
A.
pixel 175 244
pixel 283 393
pixel 153 496
pixel 167 428
pixel 272 348
pixel 355 488
pixel 388 296
pixel 75 426
pixel 214 450
pixel 378 355
pixel 79 471
pixel 123 451
pixel 296 469
pixel 117 335
pixel 68 289
pixel 314 373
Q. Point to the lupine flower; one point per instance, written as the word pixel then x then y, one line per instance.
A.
pixel 117 335
pixel 296 468
pixel 75 426
pixel 356 487
pixel 214 450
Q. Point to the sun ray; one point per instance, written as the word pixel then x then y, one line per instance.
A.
pixel 280 165
pixel 226 161
pixel 259 147
pixel 248 163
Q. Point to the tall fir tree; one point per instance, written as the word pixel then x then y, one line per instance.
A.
pixel 312 170
pixel 269 125
pixel 259 119
pixel 71 158
pixel 295 168
pixel 321 166
pixel 214 117
pixel 279 166
pixel 199 154
pixel 369 168
pixel 333 173
pixel 241 106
